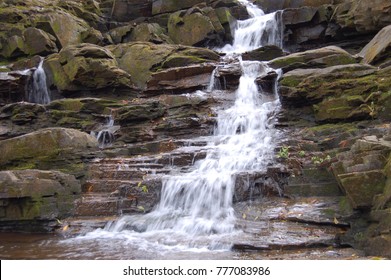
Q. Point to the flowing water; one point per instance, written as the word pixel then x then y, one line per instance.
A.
pixel 195 214
pixel 196 208
pixel 105 135
pixel 38 91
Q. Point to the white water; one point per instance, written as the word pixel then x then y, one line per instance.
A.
pixel 196 208
pixel 38 91
pixel 259 30
pixel 105 135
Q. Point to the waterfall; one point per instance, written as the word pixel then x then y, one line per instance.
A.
pixel 197 206
pixel 105 135
pixel 37 90
pixel 257 31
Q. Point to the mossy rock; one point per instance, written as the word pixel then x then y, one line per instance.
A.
pixel 193 29
pixel 43 145
pixel 37 195
pixel 319 58
pixel 362 187
pixel 85 66
pixel 142 59
pixel 150 32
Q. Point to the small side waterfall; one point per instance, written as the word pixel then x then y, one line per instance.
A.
pixel 105 135
pixel 37 90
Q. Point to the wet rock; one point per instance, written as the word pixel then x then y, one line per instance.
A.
pixel 379 49
pixel 266 53
pixel 13 86
pixel 33 200
pixel 318 58
pixel 180 79
pixel 85 67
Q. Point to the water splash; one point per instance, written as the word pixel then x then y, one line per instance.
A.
pixel 38 91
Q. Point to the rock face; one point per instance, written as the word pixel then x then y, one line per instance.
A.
pixel 196 27
pixel 85 67
pixel 142 59
pixel 379 48
pixel 338 93
pixel 34 200
pixel 47 149
pixel 364 16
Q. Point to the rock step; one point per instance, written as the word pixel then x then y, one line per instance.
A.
pixel 312 189
pixel 285 235
pixel 105 204
pixel 124 166
pixel 105 186
pixel 131 174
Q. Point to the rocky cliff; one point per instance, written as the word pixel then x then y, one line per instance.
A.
pixel 134 61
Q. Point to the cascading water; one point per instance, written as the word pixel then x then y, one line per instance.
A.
pixel 105 135
pixel 259 30
pixel 196 208
pixel 37 90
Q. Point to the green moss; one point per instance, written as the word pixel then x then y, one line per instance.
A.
pixel 67 104
pixel 290 81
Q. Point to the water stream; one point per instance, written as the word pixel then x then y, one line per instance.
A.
pixel 37 90
pixel 196 208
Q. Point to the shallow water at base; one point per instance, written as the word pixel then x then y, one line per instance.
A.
pixel 49 246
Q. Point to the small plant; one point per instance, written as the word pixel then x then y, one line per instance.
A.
pixel 144 188
pixel 319 160
pixel 371 108
pixel 301 154
pixel 284 152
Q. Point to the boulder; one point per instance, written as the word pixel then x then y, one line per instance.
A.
pixel 263 53
pixel 46 149
pixel 180 79
pixel 35 200
pixel 318 58
pixel 275 5
pixel 128 10
pixel 84 67
pixel 142 59
pixel 65 27
pixel 13 86
pixel 166 6
pixel 363 16
pixel 298 15
pixel 38 42
pixel 379 49
pixel 196 27
pixel 339 93
pixel 149 32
